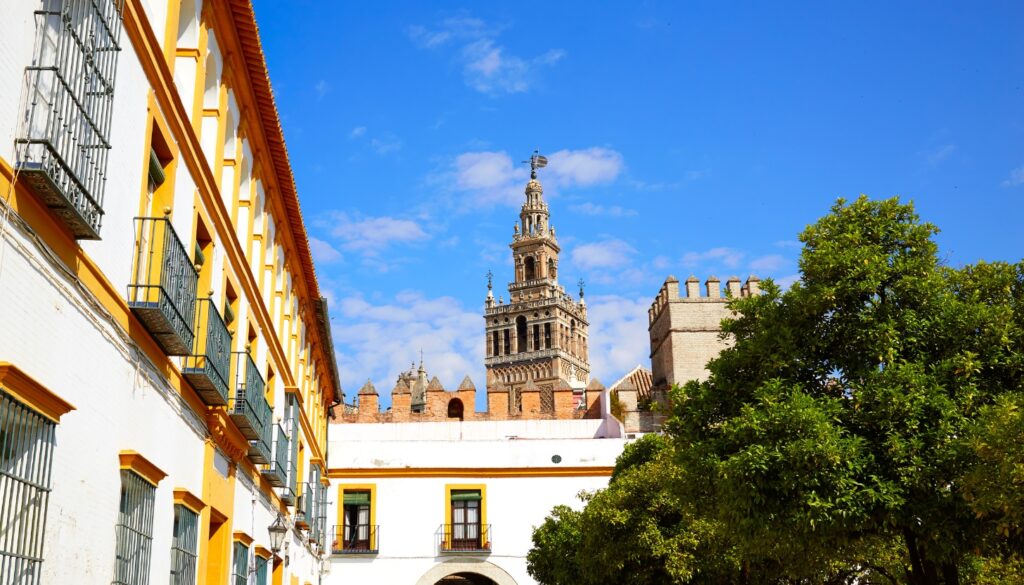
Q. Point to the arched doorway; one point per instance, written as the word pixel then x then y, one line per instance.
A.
pixel 455 408
pixel 465 579
pixel 466 571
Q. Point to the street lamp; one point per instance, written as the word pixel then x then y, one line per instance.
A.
pixel 277 531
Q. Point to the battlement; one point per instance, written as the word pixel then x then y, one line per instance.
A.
pixel 670 292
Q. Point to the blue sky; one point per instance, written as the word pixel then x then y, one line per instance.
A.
pixel 685 138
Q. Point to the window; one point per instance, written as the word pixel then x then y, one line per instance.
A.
pixel 496 347
pixel 356 532
pixel 63 144
pixel 134 530
pixel 357 521
pixel 465 528
pixel 536 337
pixel 508 342
pixel 240 564
pixel 26 451
pixel 184 545
pixel 531 269
pixel 547 336
pixel 262 571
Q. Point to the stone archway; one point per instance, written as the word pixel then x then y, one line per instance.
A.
pixel 470 570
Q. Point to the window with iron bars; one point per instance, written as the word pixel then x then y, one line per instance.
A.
pixel 183 546
pixel 64 140
pixel 240 570
pixel 133 550
pixel 262 571
pixel 26 456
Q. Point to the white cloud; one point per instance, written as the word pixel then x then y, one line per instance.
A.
pixel 323 252
pixel 487 66
pixel 1016 178
pixel 370 235
pixel 389 143
pixel 939 154
pixel 610 211
pixel 610 253
pixel 357 132
pixel 493 178
pixel 378 340
pixel 787 281
pixel 769 263
pixel 585 167
pixel 727 257
pixel 321 88
pixel 618 335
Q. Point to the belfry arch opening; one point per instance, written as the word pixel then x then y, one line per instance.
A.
pixel 520 334
pixel 531 268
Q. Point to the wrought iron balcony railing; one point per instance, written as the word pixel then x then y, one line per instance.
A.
pixel 248 407
pixel 355 539
pixel 276 472
pixel 208 367
pixel 464 537
pixel 162 292
pixel 63 145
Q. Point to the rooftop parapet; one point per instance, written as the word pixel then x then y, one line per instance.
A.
pixel 669 292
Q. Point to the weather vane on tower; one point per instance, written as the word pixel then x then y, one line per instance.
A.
pixel 537 161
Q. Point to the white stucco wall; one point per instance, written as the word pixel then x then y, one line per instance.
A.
pixel 410 465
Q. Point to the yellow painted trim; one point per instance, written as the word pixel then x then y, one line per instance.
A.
pixel 239 536
pixel 358 487
pixel 145 468
pixel 26 390
pixel 194 53
pixel 482 488
pixel 189 500
pixel 345 473
pixel 263 552
pixel 211 112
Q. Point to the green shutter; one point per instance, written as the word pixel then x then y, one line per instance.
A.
pixel 462 495
pixel 357 498
pixel 156 170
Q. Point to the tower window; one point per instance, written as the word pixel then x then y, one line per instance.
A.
pixel 547 336
pixel 536 336
pixel 508 343
pixel 520 334
pixel 531 268
pixel 495 347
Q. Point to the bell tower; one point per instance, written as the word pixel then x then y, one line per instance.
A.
pixel 538 340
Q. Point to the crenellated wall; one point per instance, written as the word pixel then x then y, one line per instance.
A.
pixel 685 327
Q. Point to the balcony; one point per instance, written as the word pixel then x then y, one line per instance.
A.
pixel 208 366
pixel 162 293
pixel 358 539
pixel 248 408
pixel 276 473
pixel 304 509
pixel 63 144
pixel 467 537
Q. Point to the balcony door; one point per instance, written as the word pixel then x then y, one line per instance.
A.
pixel 465 520
pixel 357 521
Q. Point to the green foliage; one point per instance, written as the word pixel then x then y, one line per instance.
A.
pixel 865 426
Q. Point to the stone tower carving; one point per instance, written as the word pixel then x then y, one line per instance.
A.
pixel 538 341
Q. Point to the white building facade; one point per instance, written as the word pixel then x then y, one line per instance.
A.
pixel 420 502
pixel 165 361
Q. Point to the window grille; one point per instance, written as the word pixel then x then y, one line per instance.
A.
pixel 184 545
pixel 134 530
pixel 64 141
pixel 262 571
pixel 26 456
pixel 240 572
